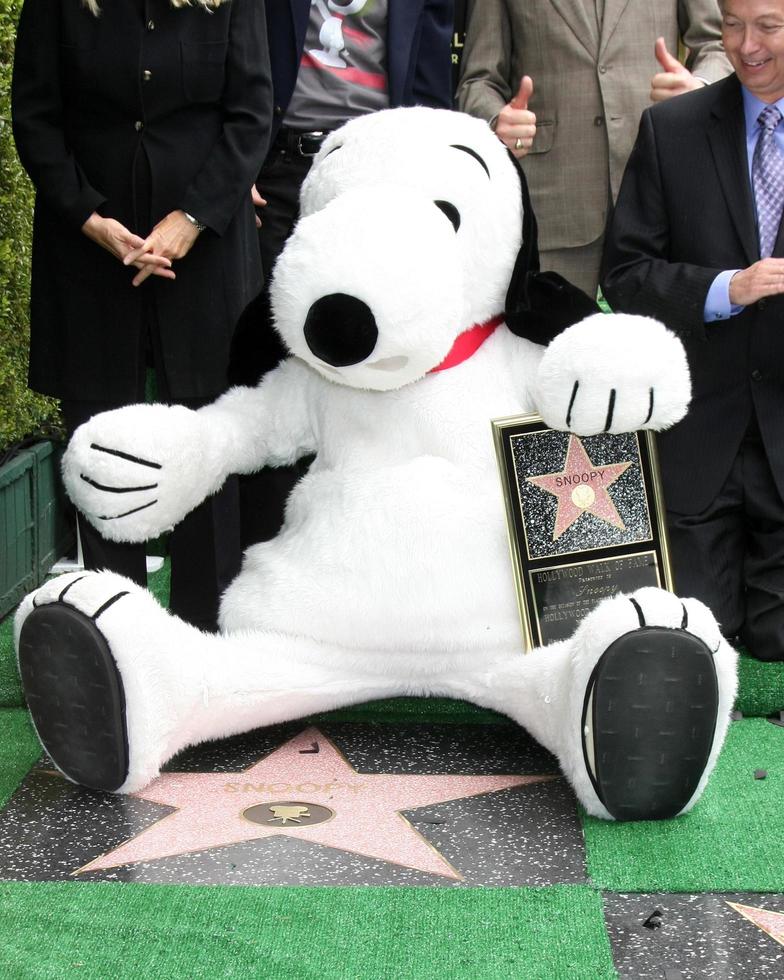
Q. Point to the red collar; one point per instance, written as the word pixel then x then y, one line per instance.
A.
pixel 468 343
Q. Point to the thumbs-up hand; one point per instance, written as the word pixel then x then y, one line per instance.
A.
pixel 516 124
pixel 674 79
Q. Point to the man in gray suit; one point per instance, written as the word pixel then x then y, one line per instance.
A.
pixel 563 83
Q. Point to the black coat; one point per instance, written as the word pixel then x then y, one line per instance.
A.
pixel 191 90
pixel 685 212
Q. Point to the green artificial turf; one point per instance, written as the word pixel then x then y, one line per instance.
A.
pixel 100 931
pixel 10 688
pixel 19 749
pixel 761 690
pixel 733 839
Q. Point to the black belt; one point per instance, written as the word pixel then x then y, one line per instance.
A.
pixel 301 144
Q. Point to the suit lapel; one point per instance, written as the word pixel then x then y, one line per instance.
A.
pixel 727 139
pixel 580 18
pixel 613 10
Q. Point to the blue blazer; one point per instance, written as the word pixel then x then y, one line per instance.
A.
pixel 418 51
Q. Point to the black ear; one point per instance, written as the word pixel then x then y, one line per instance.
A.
pixel 540 305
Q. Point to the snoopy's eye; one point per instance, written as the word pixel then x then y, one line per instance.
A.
pixel 450 211
pixel 338 147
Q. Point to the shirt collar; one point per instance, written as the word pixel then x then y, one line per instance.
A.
pixel 752 107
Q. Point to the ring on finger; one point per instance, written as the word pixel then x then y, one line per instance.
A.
pixel 518 143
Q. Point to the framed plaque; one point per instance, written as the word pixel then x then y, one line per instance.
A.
pixel 585 517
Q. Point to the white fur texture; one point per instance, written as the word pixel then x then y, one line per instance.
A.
pixel 391 575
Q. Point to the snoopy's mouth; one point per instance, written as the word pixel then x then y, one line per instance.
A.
pixel 396 363
pixel 389 363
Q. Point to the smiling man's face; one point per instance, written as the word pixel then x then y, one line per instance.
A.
pixel 753 35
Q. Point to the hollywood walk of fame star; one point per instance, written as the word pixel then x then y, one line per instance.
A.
pixel 361 811
pixel 770 922
pixel 582 487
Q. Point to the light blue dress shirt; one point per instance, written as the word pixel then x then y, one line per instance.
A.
pixel 717 302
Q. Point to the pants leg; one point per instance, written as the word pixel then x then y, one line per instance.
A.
pixel 707 555
pixel 763 629
pixel 98 553
pixel 731 555
pixel 205 557
pixel 257 348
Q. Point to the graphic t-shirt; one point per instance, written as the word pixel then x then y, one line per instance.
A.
pixel 343 71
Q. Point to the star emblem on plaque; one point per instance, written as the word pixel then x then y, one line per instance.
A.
pixel 582 488
pixel 585 518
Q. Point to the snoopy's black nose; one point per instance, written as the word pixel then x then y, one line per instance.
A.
pixel 341 329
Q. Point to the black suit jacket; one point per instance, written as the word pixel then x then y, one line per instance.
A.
pixel 92 96
pixel 685 212
pixel 419 35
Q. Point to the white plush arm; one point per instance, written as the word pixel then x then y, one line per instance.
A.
pixel 137 471
pixel 613 373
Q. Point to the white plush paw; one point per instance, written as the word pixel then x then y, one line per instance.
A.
pixel 613 373
pixel 137 471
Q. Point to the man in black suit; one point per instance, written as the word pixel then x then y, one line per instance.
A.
pixel 695 241
pixel 331 61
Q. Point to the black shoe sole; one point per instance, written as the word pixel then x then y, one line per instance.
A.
pixel 651 708
pixel 75 695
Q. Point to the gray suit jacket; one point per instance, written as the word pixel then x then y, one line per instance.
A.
pixel 591 83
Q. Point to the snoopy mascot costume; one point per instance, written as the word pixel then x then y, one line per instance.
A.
pixel 391 575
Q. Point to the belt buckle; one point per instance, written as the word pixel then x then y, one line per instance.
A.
pixel 308 144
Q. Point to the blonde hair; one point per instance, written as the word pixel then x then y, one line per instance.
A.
pixel 208 5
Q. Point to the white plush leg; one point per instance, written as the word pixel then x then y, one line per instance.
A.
pixel 183 687
pixel 545 690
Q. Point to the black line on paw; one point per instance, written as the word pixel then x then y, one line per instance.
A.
pixel 610 410
pixel 571 404
pixel 650 406
pixel 132 459
pixel 127 513
pixel 109 602
pixel 72 582
pixel 100 486
pixel 639 610
pixel 685 620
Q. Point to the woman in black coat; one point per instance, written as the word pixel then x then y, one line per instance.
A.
pixel 143 124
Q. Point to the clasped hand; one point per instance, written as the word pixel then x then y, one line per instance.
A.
pixel 170 239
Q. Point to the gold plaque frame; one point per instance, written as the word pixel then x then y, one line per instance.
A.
pixel 585 517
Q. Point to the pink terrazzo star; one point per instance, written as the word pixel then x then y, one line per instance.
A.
pixel 770 922
pixel 357 812
pixel 582 486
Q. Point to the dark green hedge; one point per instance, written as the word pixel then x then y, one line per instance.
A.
pixel 22 412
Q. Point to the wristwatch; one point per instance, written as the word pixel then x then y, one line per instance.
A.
pixel 194 221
